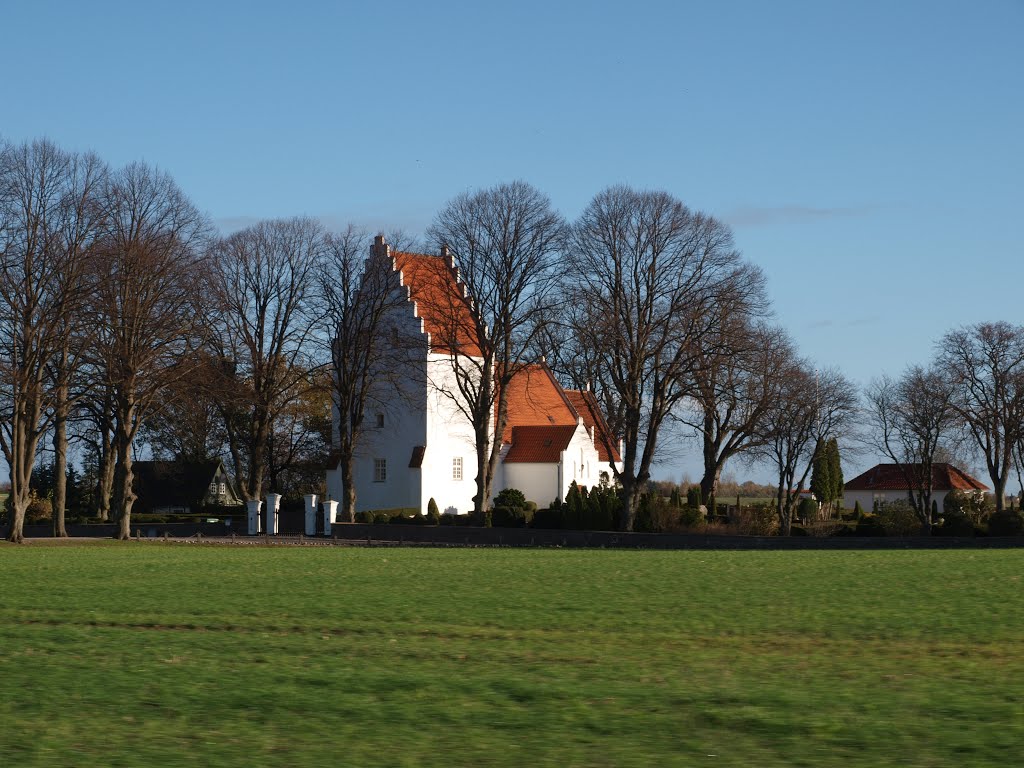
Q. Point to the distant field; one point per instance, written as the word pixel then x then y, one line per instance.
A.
pixel 154 654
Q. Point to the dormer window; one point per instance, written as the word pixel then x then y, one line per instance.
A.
pixel 380 421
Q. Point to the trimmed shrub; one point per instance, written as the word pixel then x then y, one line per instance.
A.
pixel 972 505
pixel 807 509
pixel 693 497
pixel 433 513
pixel 898 518
pixel 756 520
pixel 381 518
pixel 954 525
pixel 510 517
pixel 690 517
pixel 1006 523
pixel 364 517
pixel 511 498
pixel 550 518
pixel 869 525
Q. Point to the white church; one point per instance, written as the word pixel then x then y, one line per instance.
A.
pixel 421 446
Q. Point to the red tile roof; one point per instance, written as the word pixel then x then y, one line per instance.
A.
pixel 586 405
pixel 439 301
pixel 536 399
pixel 539 444
pixel 890 477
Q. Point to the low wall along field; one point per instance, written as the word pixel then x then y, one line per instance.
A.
pixel 154 653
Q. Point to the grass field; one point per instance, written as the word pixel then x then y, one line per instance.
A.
pixel 154 654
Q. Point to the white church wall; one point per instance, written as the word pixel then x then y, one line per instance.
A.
pixel 538 482
pixel 449 462
pixel 395 422
pixel 580 462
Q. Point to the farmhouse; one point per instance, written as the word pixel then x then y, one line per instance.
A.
pixel 181 487
pixel 884 483
pixel 419 444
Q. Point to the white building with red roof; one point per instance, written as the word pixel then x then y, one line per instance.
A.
pixel 885 483
pixel 421 445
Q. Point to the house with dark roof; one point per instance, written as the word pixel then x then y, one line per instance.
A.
pixel 884 483
pixel 181 487
pixel 421 445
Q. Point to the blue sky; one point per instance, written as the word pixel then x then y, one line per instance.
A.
pixel 868 155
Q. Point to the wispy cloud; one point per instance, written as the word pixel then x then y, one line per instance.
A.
pixel 760 216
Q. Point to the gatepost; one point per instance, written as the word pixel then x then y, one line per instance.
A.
pixel 273 507
pixel 330 511
pixel 311 514
pixel 253 509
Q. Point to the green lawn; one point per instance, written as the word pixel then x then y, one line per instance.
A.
pixel 155 654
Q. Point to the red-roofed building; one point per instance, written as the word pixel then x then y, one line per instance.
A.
pixel 888 482
pixel 419 443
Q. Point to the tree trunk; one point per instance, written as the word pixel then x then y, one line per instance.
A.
pixel 348 488
pixel 782 506
pixel 630 505
pixel 17 512
pixel 999 491
pixel 60 462
pixel 483 487
pixel 712 467
pixel 22 456
pixel 123 493
pixel 105 462
pixel 105 480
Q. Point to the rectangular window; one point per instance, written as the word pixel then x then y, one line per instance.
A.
pixel 380 421
pixel 457 468
pixel 380 470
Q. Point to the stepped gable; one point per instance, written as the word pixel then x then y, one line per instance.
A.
pixel 539 444
pixel 536 399
pixel 586 405
pixel 440 299
pixel 890 477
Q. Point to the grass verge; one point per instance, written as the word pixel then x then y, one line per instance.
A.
pixel 162 654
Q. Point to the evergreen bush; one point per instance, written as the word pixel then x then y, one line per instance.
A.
pixel 1006 523
pixel 433 513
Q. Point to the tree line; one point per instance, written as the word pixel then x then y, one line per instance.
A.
pixel 129 321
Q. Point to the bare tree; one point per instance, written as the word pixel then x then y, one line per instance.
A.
pixel 47 216
pixel 734 385
pixel 186 422
pixel 502 243
pixel 910 419
pixel 92 424
pixel 811 407
pixel 986 364
pixel 265 283
pixel 358 295
pixel 647 281
pixel 149 286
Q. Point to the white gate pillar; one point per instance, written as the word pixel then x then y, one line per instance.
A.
pixel 271 513
pixel 252 509
pixel 330 512
pixel 311 514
